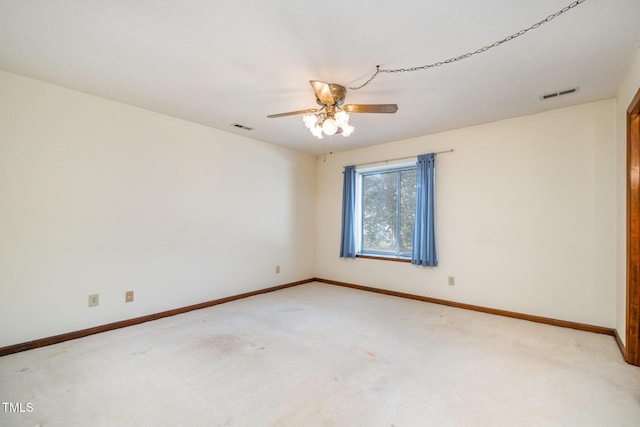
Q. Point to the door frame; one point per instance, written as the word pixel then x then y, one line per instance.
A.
pixel 632 333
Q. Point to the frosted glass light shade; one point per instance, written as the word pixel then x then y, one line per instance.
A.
pixel 316 131
pixel 309 120
pixel 347 130
pixel 342 118
pixel 329 127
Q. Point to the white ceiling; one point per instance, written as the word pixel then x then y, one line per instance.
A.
pixel 236 61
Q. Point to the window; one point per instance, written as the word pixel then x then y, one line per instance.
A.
pixel 390 211
pixel 387 211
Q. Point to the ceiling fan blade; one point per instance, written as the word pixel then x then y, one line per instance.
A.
pixel 293 113
pixel 371 108
pixel 323 91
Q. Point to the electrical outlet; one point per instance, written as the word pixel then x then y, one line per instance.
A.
pixel 452 280
pixel 128 296
pixel 277 269
pixel 94 300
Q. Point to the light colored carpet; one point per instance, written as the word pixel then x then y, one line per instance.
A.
pixel 322 355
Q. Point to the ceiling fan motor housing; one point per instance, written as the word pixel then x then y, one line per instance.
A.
pixel 338 93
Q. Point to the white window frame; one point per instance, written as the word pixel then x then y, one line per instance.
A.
pixel 360 172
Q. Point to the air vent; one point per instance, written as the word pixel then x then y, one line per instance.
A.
pixel 239 126
pixel 559 93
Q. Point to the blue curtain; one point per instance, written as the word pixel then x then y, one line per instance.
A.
pixel 424 239
pixel 348 239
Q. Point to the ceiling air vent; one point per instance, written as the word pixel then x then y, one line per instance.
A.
pixel 239 126
pixel 560 93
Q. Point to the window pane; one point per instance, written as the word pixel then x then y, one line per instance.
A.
pixel 407 209
pixel 379 212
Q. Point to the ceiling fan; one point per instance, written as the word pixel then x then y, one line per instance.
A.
pixel 333 115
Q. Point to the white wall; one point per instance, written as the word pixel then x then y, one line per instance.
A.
pixel 526 216
pixel 102 197
pixel 626 93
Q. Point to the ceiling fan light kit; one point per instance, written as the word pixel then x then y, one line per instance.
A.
pixel 323 123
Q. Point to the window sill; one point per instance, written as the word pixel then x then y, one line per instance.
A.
pixel 383 258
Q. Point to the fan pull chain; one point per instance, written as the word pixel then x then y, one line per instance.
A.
pixel 470 54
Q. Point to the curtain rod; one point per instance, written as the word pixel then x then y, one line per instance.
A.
pixel 400 158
